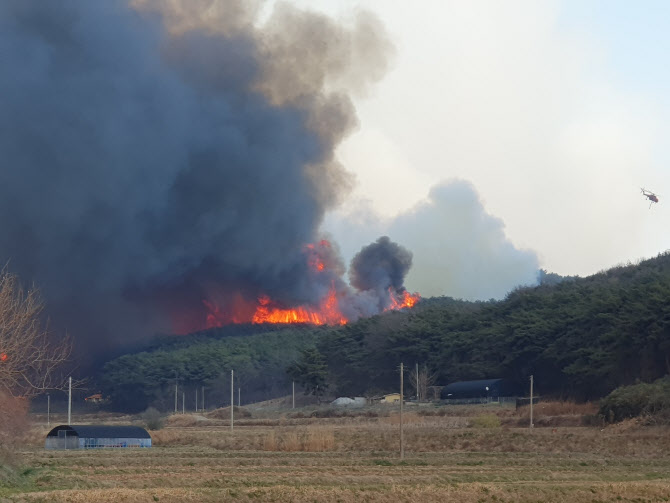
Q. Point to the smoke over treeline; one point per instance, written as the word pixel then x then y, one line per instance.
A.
pixel 381 268
pixel 156 154
pixel 459 249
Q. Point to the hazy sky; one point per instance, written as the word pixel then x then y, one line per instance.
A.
pixel 550 115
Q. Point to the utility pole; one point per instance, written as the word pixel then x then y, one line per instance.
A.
pixel 238 396
pixel 417 384
pixel 196 399
pixel 232 398
pixel 48 411
pixel 69 401
pixel 293 394
pixel 402 398
pixel 176 384
pixel 203 399
pixel 531 402
pixel 183 402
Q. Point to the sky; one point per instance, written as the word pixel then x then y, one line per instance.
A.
pixel 510 136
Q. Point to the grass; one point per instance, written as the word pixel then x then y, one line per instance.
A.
pixel 485 421
pixel 303 458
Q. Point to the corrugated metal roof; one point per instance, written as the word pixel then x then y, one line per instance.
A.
pixel 102 431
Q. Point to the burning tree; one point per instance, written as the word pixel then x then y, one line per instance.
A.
pixel 29 356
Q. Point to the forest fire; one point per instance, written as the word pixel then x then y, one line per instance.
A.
pixel 226 171
pixel 330 310
pixel 314 261
pixel 328 313
pixel 3 357
pixel 403 300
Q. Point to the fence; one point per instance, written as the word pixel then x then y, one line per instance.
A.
pixel 480 400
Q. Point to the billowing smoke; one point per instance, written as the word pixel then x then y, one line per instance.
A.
pixel 459 249
pixel 382 264
pixel 380 269
pixel 156 154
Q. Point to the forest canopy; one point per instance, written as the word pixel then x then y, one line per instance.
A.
pixel 581 338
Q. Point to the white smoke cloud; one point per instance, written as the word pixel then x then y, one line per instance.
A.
pixel 531 108
pixel 458 248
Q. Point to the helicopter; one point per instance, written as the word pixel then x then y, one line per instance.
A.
pixel 650 195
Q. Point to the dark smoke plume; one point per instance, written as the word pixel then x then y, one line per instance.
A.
pixel 159 153
pixel 378 272
pixel 380 265
pixel 459 249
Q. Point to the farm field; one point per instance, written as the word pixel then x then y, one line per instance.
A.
pixel 469 455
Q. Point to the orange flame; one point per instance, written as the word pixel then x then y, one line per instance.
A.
pixel 314 261
pixel 327 313
pixel 405 300
pixel 265 310
pixel 3 357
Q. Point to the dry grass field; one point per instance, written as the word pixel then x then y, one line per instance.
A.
pixel 460 454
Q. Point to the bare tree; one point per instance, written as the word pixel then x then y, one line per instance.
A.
pixel 29 356
pixel 422 382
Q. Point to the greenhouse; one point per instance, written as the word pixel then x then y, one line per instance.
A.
pixel 97 436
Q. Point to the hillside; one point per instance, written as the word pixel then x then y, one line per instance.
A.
pixel 580 338
pixel 259 358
